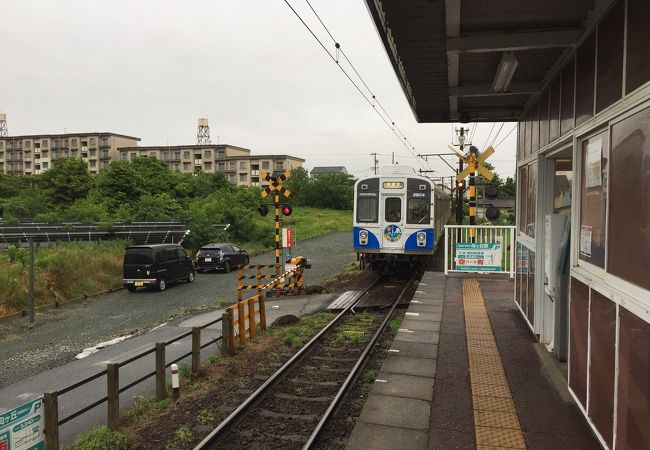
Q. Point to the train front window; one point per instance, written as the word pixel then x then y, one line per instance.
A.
pixel 367 209
pixel 418 211
pixel 393 209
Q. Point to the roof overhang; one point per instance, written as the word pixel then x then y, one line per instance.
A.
pixel 479 60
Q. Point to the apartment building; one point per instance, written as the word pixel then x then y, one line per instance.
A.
pixel 236 163
pixel 34 154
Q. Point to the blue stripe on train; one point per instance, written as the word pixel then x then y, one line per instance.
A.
pixel 373 242
pixel 412 241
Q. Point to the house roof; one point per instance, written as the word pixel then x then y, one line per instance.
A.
pixel 329 169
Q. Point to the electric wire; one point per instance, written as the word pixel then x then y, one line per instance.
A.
pixel 471 136
pixel 387 120
pixel 497 135
pixel 488 137
pixel 509 133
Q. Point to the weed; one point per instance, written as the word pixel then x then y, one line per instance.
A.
pixel 182 436
pixel 394 326
pixel 368 376
pixel 214 359
pixel 185 371
pixel 205 417
pixel 101 438
pixel 224 303
pixel 242 383
pixel 292 341
pixel 273 356
pixel 147 405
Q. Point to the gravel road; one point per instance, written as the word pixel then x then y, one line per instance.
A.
pixel 58 335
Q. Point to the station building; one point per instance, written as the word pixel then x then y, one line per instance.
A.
pixel 236 163
pixel 575 78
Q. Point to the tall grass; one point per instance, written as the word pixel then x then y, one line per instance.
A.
pixel 62 272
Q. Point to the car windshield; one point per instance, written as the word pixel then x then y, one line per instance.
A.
pixel 138 256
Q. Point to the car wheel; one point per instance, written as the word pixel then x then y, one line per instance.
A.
pixel 199 270
pixel 226 267
pixel 131 288
pixel 162 284
pixel 190 277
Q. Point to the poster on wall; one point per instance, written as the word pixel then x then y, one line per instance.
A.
pixel 585 240
pixel 593 169
pixel 473 257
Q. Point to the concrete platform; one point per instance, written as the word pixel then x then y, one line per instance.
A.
pixel 396 413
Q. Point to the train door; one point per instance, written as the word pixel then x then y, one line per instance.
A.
pixel 393 220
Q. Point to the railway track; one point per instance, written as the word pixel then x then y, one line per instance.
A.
pixel 291 408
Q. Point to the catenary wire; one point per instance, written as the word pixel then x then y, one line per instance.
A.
pixel 509 133
pixel 403 140
pixel 497 135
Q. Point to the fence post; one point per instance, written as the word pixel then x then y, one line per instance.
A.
pixel 240 285
pixel 227 335
pixel 113 394
pixel 262 302
pixel 251 318
pixel 259 279
pixel 241 312
pixel 196 350
pixel 513 249
pixel 51 413
pixel 446 244
pixel 161 387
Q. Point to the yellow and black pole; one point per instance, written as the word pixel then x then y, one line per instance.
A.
pixel 276 201
pixel 473 155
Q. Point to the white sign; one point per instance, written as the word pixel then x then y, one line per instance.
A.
pixel 585 240
pixel 478 257
pixel 21 428
pixel 593 169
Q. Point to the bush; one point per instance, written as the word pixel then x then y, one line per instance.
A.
pixel 101 438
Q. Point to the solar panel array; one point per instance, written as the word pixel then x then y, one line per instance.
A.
pixel 137 232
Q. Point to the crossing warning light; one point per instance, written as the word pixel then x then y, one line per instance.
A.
pixel 263 210
pixel 491 192
pixel 460 185
pixel 286 210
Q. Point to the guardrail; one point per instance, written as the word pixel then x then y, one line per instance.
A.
pixel 113 389
pixel 491 250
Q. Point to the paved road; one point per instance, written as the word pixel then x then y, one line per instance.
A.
pixel 59 335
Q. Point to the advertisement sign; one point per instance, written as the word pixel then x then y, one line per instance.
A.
pixel 287 237
pixel 593 168
pixel 586 232
pixel 21 428
pixel 472 257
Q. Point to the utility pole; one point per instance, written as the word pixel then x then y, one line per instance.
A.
pixel 374 160
pixel 473 155
pixel 393 162
pixel 459 192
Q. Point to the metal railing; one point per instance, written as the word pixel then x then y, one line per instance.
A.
pixel 480 249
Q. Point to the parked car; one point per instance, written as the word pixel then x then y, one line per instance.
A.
pixel 220 256
pixel 156 266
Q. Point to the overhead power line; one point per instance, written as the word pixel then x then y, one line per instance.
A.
pixel 370 97
pixel 509 133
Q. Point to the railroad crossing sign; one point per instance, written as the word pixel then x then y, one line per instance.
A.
pixel 275 184
pixel 476 165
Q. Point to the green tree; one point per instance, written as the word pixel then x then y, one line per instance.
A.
pixel 298 183
pixel 157 207
pixel 88 210
pixel 68 180
pixel 330 190
pixel 27 204
pixel 120 183
pixel 155 173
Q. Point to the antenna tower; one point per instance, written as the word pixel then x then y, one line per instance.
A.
pixel 203 133
pixel 3 125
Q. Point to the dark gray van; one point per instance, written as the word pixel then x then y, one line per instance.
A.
pixel 155 266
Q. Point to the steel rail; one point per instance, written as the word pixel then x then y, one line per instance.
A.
pixel 354 373
pixel 259 394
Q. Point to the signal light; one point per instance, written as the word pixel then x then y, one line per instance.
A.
pixel 286 210
pixel 263 210
pixel 460 185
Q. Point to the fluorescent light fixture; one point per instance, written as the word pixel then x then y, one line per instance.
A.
pixel 505 71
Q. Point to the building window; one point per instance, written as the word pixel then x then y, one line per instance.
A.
pixel 165 156
pixel 45 165
pixel 242 177
pixel 593 194
pixel 208 154
pixel 186 155
pixel 74 142
pixel 279 165
pixel 133 155
pixel 92 141
pixel 208 166
pixel 45 143
pixel 629 208
pixel 186 166
pixel 221 154
pixel 93 163
pixel 2 144
pixel 243 165
pixel 177 167
pixel 28 144
pixel 222 166
pixel 232 178
pixel 177 155
pixel 124 156
pixel 104 141
pixel 93 152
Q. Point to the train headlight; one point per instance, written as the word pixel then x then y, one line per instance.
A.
pixel 422 238
pixel 363 237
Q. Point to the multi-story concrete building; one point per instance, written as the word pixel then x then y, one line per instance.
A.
pixel 34 154
pixel 236 163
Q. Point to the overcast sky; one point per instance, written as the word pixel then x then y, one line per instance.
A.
pixel 151 69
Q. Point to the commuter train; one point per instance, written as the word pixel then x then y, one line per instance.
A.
pixel 399 217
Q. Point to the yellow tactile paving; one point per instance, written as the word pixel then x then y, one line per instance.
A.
pixel 495 418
